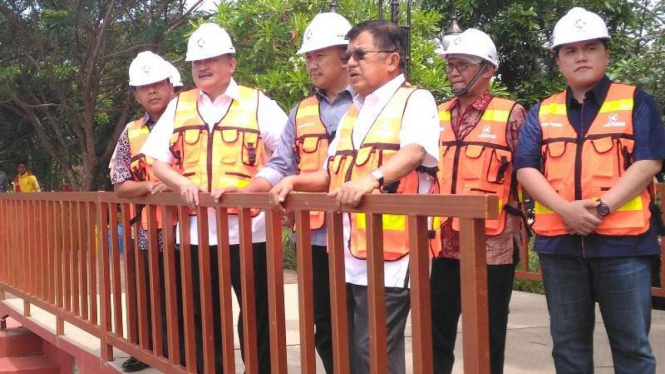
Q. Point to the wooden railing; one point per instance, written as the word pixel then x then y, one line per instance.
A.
pixel 55 254
pixel 528 273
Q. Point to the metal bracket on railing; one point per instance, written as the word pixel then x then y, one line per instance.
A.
pixel 3 322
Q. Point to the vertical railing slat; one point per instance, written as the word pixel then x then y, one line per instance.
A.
pixel 421 310
pixel 66 255
pixel 275 269
pixel 248 286
pixel 130 273
pixel 305 292
pixel 92 260
pixel 115 271
pixel 473 273
pixel 205 285
pixel 104 281
pixel 155 282
pixel 83 260
pixel 75 225
pixel 170 286
pixel 376 296
pixel 187 290
pixel 340 323
pixel 225 297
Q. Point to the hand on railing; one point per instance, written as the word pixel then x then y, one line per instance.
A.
pixel 217 194
pixel 351 193
pixel 279 192
pixel 190 193
pixel 158 187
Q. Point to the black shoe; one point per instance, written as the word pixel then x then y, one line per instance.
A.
pixel 133 365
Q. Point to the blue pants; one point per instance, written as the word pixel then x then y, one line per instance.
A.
pixel 622 288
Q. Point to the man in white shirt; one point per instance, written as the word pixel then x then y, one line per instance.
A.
pixel 385 143
pixel 216 138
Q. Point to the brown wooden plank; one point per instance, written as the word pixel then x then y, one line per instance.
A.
pixel 187 289
pixel 92 254
pixel 130 274
pixel 142 296
pixel 83 259
pixel 43 223
pixel 50 249
pixel 421 310
pixel 338 309
pixel 226 307
pixel 275 269
pixel 305 292
pixel 248 302
pixel 170 286
pixel 205 283
pixel 116 281
pixel 104 282
pixel 75 225
pixel 3 245
pixel 66 256
pixel 23 237
pixel 473 273
pixel 378 354
pixel 155 282
pixel 58 255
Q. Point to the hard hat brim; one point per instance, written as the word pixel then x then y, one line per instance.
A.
pixel 305 49
pixel 555 46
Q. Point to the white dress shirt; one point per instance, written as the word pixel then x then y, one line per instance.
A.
pixel 420 125
pixel 271 123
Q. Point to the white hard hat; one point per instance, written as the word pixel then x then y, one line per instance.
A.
pixel 148 68
pixel 209 40
pixel 578 25
pixel 175 76
pixel 325 30
pixel 473 42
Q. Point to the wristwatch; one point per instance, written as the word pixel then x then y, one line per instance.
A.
pixel 378 176
pixel 602 208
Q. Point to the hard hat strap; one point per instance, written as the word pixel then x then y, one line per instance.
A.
pixel 473 81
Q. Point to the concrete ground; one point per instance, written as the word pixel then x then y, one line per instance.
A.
pixel 528 347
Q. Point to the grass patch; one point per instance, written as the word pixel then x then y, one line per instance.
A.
pixel 289 248
pixel 529 285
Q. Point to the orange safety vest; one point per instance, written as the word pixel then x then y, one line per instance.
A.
pixel 380 144
pixel 311 145
pixel 480 163
pixel 140 164
pixel 585 167
pixel 230 154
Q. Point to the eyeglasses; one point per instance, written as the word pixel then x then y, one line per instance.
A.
pixel 359 54
pixel 460 67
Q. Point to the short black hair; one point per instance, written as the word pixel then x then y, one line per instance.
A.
pixel 22 162
pixel 606 44
pixel 387 37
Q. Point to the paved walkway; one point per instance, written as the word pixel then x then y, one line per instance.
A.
pixel 528 346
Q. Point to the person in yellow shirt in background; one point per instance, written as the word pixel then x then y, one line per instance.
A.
pixel 25 181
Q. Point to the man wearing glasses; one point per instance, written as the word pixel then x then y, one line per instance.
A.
pixel 385 143
pixel 478 137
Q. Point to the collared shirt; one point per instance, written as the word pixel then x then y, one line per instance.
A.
pixel 27 183
pixel 499 247
pixel 649 139
pixel 283 161
pixel 420 125
pixel 271 120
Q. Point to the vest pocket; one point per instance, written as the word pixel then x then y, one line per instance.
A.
pixel 555 165
pixel 604 161
pixel 228 149
pixel 499 165
pixel 311 159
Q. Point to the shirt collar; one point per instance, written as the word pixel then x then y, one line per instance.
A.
pixel 381 95
pixel 597 93
pixel 232 92
pixel 321 94
pixel 481 103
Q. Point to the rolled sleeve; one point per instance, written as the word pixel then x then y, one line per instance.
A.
pixel 420 125
pixel 157 145
pixel 648 129
pixel 529 144
pixel 282 163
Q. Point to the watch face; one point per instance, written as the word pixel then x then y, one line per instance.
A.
pixel 603 209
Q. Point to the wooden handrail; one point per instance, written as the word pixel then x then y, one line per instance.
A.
pixel 66 249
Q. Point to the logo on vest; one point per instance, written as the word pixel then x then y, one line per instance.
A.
pixel 241 118
pixel 486 134
pixel 307 124
pixel 551 124
pixel 385 130
pixel 613 121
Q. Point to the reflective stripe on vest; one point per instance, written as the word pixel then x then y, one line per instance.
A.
pixel 231 155
pixel 141 165
pixel 311 145
pixel 380 144
pixel 478 164
pixel 585 168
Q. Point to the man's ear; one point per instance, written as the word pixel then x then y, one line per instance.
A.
pixel 393 62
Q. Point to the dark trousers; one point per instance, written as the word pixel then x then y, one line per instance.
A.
pixel 261 300
pixel 658 302
pixel 323 333
pixel 162 301
pixel 622 288
pixel 447 307
pixel 398 304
